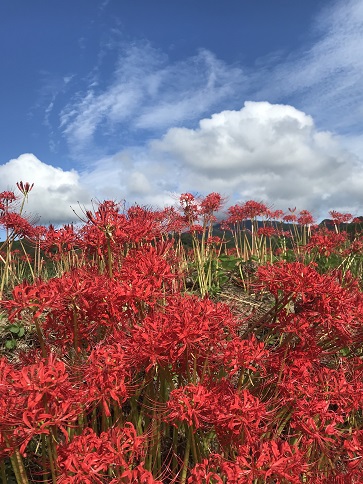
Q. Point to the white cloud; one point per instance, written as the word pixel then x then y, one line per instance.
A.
pixel 55 191
pixel 253 134
pixel 133 175
pixel 264 151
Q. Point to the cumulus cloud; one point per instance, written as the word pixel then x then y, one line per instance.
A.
pixel 135 175
pixel 55 190
pixel 267 152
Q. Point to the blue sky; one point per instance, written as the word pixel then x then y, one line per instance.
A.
pixel 143 100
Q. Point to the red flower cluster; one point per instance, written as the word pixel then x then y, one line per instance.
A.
pixel 133 380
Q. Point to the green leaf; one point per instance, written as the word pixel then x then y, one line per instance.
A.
pixel 229 262
pixel 345 351
pixel 10 344
pixel 21 332
pixel 14 328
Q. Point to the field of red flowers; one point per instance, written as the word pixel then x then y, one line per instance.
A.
pixel 120 364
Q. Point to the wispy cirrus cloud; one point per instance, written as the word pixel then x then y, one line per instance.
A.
pixel 325 76
pixel 150 93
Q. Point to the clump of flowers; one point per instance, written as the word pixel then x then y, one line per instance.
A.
pixel 130 378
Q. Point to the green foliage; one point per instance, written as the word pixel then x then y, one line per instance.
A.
pixel 12 334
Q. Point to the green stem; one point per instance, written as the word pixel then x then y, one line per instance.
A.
pixel 40 338
pixel 18 467
pixel 109 257
pixel 3 472
pixel 183 476
pixel 195 453
pixel 51 456
pixel 75 332
pixel 175 451
pixel 27 259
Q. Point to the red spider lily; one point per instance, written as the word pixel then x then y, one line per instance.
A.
pixel 305 218
pixel 6 198
pixel 247 211
pixel 196 228
pixel 107 377
pixel 312 417
pixel 272 461
pixel 12 404
pixel 356 247
pixel 50 400
pixel 267 231
pixel 331 312
pixel 235 415
pixel 35 297
pixel 253 209
pixel 38 422
pixel 342 387
pixel 211 203
pixel 110 230
pixel 340 218
pixel 288 278
pixel 283 405
pixel 138 224
pixel 186 198
pixel 289 218
pixel 190 207
pixel 79 293
pixel 95 300
pixel 214 240
pixel 106 216
pixel 274 214
pixel 145 276
pixel 137 475
pixel 25 188
pixel 171 220
pixel 190 404
pixel 240 354
pixel 325 242
pixel 354 447
pixel 47 378
pixel 185 326
pixel 268 460
pixel 142 225
pixel 238 416
pixel 80 309
pixel 88 457
pixel 207 472
pixel 63 240
pixel 18 225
